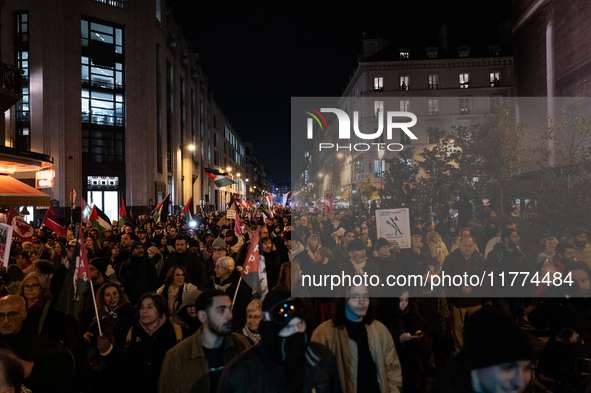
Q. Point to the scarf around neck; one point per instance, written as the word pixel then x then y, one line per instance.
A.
pixel 255 337
pixel 159 324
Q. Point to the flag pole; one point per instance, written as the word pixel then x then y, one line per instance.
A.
pixel 98 321
pixel 152 212
pixel 236 293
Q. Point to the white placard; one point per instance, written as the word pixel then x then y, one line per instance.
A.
pixel 231 214
pixel 394 226
pixel 5 243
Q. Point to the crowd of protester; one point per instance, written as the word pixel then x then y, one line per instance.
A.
pixel 174 314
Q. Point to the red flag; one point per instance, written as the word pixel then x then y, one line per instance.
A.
pixel 50 221
pixel 19 227
pixel 237 227
pixel 328 203
pixel 251 272
pixel 83 271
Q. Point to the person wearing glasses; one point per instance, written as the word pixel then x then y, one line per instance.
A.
pixel 367 359
pixel 218 250
pixel 48 366
pixel 285 360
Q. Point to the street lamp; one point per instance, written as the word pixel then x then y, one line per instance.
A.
pixel 191 147
pixel 381 156
pixel 229 169
pixel 320 175
pixel 340 155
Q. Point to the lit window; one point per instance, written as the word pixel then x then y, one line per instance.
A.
pixel 377 171
pixel 433 106
pixel 465 105
pixel 404 54
pixel 404 83
pixel 405 106
pixel 378 83
pixel 464 81
pixel 433 82
pixel 495 79
pixel 378 106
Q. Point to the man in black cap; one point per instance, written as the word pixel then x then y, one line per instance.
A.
pixel 497 357
pixel 138 274
pixel 582 249
pixel 358 263
pixel 143 237
pixel 410 258
pixel 285 360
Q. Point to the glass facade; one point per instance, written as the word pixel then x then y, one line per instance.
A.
pixel 22 139
pixel 103 95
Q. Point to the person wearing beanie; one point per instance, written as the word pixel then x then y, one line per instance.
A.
pixel 410 258
pixel 285 360
pixel 197 363
pixel 138 273
pixel 366 356
pixel 358 264
pixel 97 268
pixel 297 251
pixel 219 250
pixel 582 249
pixel 497 357
pixel 384 259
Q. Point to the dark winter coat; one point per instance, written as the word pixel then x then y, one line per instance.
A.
pixel 253 372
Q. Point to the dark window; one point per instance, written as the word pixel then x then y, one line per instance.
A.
pixel 23 117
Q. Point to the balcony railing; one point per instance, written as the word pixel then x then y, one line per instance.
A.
pixel 113 3
pixel 10 86
pixel 10 78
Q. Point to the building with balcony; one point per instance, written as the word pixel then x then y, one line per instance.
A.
pixel 116 95
pixel 444 86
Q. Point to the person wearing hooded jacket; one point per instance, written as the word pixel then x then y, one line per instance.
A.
pixel 285 360
pixel 138 273
pixel 186 316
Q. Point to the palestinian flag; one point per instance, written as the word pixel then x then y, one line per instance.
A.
pixel 187 210
pixel 287 197
pixel 98 219
pixel 123 216
pixel 253 271
pixel 265 208
pixel 157 216
pixel 221 179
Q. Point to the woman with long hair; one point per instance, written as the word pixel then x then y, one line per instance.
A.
pixel 175 289
pixel 59 254
pixel 147 342
pixel 106 350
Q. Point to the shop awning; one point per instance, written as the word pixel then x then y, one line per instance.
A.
pixel 14 192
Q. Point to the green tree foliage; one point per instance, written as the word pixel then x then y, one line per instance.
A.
pixel 366 189
pixel 400 188
pixel 562 186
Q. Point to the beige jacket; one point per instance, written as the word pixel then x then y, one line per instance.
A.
pixel 185 368
pixel 382 351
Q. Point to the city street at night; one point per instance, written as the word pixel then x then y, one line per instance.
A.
pixel 383 196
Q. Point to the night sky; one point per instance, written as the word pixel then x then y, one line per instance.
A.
pixel 260 54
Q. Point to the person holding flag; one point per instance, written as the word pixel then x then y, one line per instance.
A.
pixel 51 221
